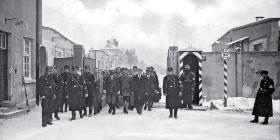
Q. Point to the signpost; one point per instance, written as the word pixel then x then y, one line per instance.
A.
pixel 225 55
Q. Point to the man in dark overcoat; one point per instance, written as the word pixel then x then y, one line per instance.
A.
pixel 149 88
pixel 138 91
pixel 58 92
pixel 64 76
pixel 90 83
pixel 46 92
pixel 125 83
pixel 171 89
pixel 188 83
pixel 263 101
pixel 112 91
pixel 97 100
pixel 76 89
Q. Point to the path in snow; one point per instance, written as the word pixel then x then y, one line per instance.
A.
pixel 155 125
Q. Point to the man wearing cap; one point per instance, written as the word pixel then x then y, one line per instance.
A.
pixel 125 83
pixel 90 83
pixel 263 101
pixel 46 92
pixel 64 76
pixel 171 89
pixel 58 92
pixel 138 91
pixel 76 89
pixel 149 88
pixel 188 82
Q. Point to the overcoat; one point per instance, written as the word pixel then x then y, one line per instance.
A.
pixel 263 102
pixel 171 87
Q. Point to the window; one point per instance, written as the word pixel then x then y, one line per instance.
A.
pixel 27 44
pixel 258 47
pixel 3 41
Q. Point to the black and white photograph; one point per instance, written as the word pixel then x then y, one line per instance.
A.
pixel 140 69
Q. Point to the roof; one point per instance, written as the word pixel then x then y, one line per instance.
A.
pixel 238 40
pixel 250 24
pixel 99 51
pixel 49 28
pixel 190 49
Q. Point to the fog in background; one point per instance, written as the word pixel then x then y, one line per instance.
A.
pixel 151 26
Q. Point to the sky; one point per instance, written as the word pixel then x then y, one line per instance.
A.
pixel 151 26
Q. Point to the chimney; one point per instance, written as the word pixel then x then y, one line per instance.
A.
pixel 258 18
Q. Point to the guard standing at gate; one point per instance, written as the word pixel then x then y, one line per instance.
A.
pixel 172 91
pixel 64 76
pixel 76 89
pixel 46 92
pixel 90 83
pixel 263 102
pixel 58 92
pixel 188 82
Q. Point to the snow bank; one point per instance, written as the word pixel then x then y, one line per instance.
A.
pixel 239 104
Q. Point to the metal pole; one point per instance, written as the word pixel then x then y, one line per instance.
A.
pixel 225 83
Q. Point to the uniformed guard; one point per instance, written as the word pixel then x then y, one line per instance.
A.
pixel 46 92
pixel 64 76
pixel 263 101
pixel 188 83
pixel 149 89
pixel 171 89
pixel 90 83
pixel 138 91
pixel 58 92
pixel 125 83
pixel 76 89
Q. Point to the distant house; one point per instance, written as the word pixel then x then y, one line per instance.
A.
pixel 112 49
pixel 101 59
pixel 54 45
pixel 262 35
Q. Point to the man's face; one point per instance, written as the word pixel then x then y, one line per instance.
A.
pixel 49 71
pixel 118 70
pixel 264 75
pixel 66 70
pixel 87 70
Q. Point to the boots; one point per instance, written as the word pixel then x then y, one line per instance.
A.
pixel 175 113
pixel 265 121
pixel 73 116
pixel 56 115
pixel 170 113
pixel 256 119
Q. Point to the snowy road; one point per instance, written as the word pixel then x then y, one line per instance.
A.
pixel 155 125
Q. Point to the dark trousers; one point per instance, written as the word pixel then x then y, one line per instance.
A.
pixel 64 103
pixel 74 114
pixel 171 112
pixel 46 111
pixel 265 118
pixel 149 101
pixel 89 110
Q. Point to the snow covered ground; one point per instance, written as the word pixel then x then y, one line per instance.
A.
pixel 155 125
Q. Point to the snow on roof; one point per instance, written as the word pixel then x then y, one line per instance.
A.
pixel 238 40
pixel 190 49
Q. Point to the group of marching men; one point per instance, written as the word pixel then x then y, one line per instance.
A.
pixel 86 92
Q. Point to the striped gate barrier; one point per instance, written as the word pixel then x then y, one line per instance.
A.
pixel 182 55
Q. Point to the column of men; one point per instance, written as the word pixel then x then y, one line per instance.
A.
pixel 84 92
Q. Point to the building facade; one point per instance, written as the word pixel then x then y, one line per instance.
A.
pixel 54 45
pixel 20 35
pixel 101 59
pixel 262 35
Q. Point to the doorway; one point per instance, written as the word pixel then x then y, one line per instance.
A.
pixel 192 60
